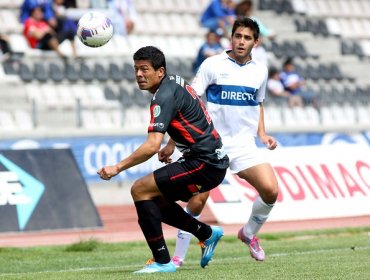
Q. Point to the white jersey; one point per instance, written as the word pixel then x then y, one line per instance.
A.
pixel 233 92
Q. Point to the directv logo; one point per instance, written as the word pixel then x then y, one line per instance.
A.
pixel 11 191
pixel 232 95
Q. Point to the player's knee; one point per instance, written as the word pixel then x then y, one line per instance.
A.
pixel 271 195
pixel 137 190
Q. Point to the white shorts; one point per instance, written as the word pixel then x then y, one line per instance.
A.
pixel 243 157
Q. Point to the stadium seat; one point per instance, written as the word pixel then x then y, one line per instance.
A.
pixel 66 97
pixel 128 72
pixel 50 96
pixel 115 73
pixel 104 119
pixel 362 49
pixel 71 73
pixel 141 98
pixel 117 117
pixel 10 68
pixel 125 97
pixel 264 5
pixel 7 121
pixel 39 72
pixel 88 119
pixel 86 74
pixel 109 93
pixel 335 71
pixel 273 116
pixel 185 69
pixel 346 47
pixel 100 73
pixel 82 96
pixel 56 72
pixel 363 114
pixel 23 120
pixel 25 73
pixel 172 67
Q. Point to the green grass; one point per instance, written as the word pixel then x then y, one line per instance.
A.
pixel 330 254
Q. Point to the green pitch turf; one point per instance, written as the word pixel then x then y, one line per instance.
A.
pixel 334 254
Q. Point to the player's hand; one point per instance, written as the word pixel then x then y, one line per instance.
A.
pixel 269 141
pixel 107 172
pixel 164 155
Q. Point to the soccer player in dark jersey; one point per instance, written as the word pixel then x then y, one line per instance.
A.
pixel 176 109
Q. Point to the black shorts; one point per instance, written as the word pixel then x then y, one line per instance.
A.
pixel 187 177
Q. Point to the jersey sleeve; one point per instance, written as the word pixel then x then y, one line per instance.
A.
pixel 162 110
pixel 202 79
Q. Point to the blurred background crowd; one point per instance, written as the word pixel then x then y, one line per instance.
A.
pixel 317 53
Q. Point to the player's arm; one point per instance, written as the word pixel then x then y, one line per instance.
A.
pixel 146 150
pixel 268 140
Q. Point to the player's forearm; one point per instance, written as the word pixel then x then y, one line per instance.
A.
pixel 261 132
pixel 142 154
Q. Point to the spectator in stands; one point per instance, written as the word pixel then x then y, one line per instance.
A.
pixel 45 5
pixel 52 14
pixel 294 83
pixel 123 16
pixel 219 15
pixel 39 34
pixel 210 47
pixel 277 90
pixel 66 28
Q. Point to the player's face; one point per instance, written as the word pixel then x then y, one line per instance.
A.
pixel 242 43
pixel 147 77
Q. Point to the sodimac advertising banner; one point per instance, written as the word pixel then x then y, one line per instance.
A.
pixel 314 182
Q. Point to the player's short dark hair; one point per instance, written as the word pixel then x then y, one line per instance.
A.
pixel 153 54
pixel 246 22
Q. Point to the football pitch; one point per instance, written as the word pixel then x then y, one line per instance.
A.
pixel 328 254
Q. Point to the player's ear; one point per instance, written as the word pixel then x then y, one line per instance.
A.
pixel 161 72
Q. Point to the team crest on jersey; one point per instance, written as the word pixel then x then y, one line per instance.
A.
pixel 156 111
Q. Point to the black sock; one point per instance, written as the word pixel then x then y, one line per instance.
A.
pixel 174 215
pixel 149 216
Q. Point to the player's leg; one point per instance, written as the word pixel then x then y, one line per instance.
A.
pixel 144 191
pixel 193 208
pixel 183 180
pixel 263 179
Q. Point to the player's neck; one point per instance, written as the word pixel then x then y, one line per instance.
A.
pixel 239 59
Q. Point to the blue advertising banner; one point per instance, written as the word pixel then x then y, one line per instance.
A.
pixel 91 153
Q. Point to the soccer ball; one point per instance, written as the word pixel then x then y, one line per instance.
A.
pixel 94 29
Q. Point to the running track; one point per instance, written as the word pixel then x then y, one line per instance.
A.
pixel 120 225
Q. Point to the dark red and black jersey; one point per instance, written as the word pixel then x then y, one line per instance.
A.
pixel 176 109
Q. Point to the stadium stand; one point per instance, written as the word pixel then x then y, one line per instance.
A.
pixel 330 45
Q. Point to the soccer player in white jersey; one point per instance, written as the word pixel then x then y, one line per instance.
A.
pixel 234 85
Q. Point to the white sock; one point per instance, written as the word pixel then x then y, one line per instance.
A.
pixel 183 240
pixel 259 215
